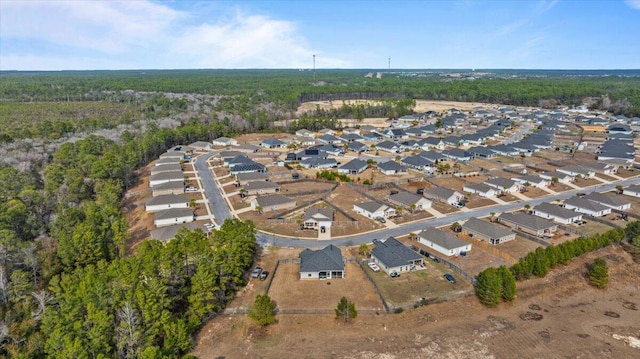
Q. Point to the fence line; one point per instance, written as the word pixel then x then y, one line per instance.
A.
pixel 273 275
pixel 384 302
pixel 459 270
pixel 633 215
pixel 531 237
pixel 600 220
pixel 571 230
pixel 488 247
pixel 338 209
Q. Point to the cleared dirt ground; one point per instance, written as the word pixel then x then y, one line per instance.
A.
pixel 559 316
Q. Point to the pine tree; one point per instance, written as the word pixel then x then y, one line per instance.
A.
pixel 488 287
pixel 508 283
pixel 346 309
pixel 262 310
pixel 599 273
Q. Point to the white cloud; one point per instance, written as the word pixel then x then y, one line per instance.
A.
pixel 634 4
pixel 143 34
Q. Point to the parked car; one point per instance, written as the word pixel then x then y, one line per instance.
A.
pixel 420 191
pixel 256 272
pixel 374 267
pixel 450 278
pixel 381 219
pixel 264 275
pixel 376 241
pixel 394 274
pixel 458 204
pixel 191 189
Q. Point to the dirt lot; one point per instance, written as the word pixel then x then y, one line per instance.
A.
pixel 586 182
pixel 290 292
pixel 518 247
pixel 535 192
pixel 557 316
pixel 485 164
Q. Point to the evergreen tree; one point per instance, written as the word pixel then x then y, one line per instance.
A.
pixel 599 273
pixel 346 309
pixel 489 287
pixel 262 311
pixel 508 283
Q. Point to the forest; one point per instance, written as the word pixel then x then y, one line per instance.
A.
pixel 72 142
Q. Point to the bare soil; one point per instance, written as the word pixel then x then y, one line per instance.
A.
pixel 558 316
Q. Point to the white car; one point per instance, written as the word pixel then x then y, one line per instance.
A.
pixel 374 267
pixel 191 189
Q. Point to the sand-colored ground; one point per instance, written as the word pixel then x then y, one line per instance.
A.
pixel 421 105
pixel 558 316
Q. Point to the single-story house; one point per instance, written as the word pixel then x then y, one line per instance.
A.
pixel 173 216
pixel 164 177
pixel 444 243
pixel 167 201
pixel 503 185
pixel 351 130
pixel 373 209
pixel 486 231
pixel 583 205
pixel 533 181
pixel 167 161
pixel 394 257
pixel 391 168
pixel 444 195
pixel 326 263
pixel 418 162
pixel 432 142
pixel 357 147
pixel 633 191
pixel 353 167
pixel 481 152
pixel 240 159
pixel 599 167
pixel 305 133
pixel 613 202
pixel 247 168
pixel 274 202
pixel 350 137
pixel 167 188
pixel 410 201
pixel 319 163
pixel 165 234
pixel 317 218
pixel 527 223
pixel 433 156
pixel 576 170
pixel 396 133
pixel 166 168
pixel 481 189
pixel 561 176
pixel 273 143
pixel 329 139
pixel 457 154
pixel 388 146
pixel 176 155
pixel 243 178
pixel 224 141
pixel 556 213
pixel 247 148
pixel 327 131
pixel 201 146
pixel 261 187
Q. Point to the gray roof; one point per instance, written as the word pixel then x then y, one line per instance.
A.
pixel 231 154
pixel 168 185
pixel 585 204
pixel 575 169
pixel 167 176
pixel 441 193
pixel 526 220
pixel 249 176
pixel 318 214
pixel 391 166
pixel 633 188
pixel 555 210
pixel 500 182
pixel 417 161
pixel 272 142
pixel 258 185
pixel 530 179
pixel 327 259
pixel 393 253
pixel 386 145
pixel 169 167
pixel 480 187
pixel 607 200
pixel 406 198
pixel 372 206
pixel 173 213
pixel 354 165
pixel 167 199
pixel 239 160
pixel 488 229
pixel 441 238
pixel 273 200
pixel 555 174
pixel 169 232
pixel 247 167
pixel 167 161
pixel 432 155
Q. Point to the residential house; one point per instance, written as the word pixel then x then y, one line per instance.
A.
pixel 444 195
pixel 373 209
pixel 247 168
pixel 394 257
pixel 167 233
pixel 433 156
pixel 388 146
pixel 504 150
pixel 599 167
pixel 236 160
pixel 244 178
pixel 167 188
pixel 357 147
pixel 164 177
pixel 444 243
pixel 417 162
pixel 272 203
pixel 350 137
pixel 329 139
pixel 619 128
pixel 166 168
pixel 430 143
pixel 457 154
pixel 410 201
pixel 173 216
pixel 305 141
pixel 391 168
pixel 530 224
pixel 176 155
pixel 576 171
pixel 167 161
pixel 633 191
pixel 326 263
pixel 167 201
pixel 372 136
pixel 201 146
pixel 247 148
pixel 481 189
pixel 351 130
pixel 487 232
pixel 395 133
pixel 583 205
pixel 561 176
pixel 533 181
pixel 481 152
pixel 472 139
pixel 224 141
pixel 556 213
pixel 319 163
pixel 503 185
pixel 305 133
pixel 317 218
pixel 272 143
pixel 260 188
pixel 613 202
pixel 353 167
pixel 453 141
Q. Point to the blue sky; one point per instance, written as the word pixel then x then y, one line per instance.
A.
pixel 143 34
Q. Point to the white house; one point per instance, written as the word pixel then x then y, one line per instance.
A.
pixel 274 202
pixel 613 202
pixel 167 188
pixel 410 201
pixel 167 201
pixel 326 263
pixel 561 176
pixel 164 177
pixel 533 181
pixel 391 168
pixel 224 141
pixel 633 191
pixel 373 209
pixel 173 216
pixel 583 205
pixel 576 170
pixel 556 213
pixel 481 189
pixel 442 242
pixel 503 185
pixel 444 195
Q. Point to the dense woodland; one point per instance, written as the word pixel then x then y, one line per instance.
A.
pixel 72 142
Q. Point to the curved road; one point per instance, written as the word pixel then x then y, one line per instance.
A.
pixel 221 212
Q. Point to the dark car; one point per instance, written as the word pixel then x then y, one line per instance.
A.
pixel 450 278
pixel 381 219
pixel 420 191
pixel 394 274
pixel 256 272
pixel 264 275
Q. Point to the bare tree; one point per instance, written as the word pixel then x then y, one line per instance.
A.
pixel 128 332
pixel 42 299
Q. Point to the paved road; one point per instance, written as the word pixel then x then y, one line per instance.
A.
pixel 221 212
pixel 212 192
pixel 518 135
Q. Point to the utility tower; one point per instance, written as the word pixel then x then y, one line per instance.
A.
pixel 389 63
pixel 314 68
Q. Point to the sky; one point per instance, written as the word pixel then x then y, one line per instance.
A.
pixel 414 34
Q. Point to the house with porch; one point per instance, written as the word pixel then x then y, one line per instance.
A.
pixel 317 218
pixel 443 243
pixel 410 201
pixel 487 232
pixel 480 189
pixel 224 142
pixel 556 213
pixel 391 168
pixel 392 256
pixel 353 167
pixel 373 209
pixel 611 201
pixel 444 195
pixel 583 205
pixel 561 176
pixel 503 185
pixel 326 263
pixel 273 143
pixel 272 203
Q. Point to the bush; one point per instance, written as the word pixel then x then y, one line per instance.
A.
pixel 599 273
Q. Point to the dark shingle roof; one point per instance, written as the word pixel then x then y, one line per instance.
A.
pixel 393 253
pixel 441 238
pixel 488 229
pixel 327 259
